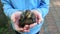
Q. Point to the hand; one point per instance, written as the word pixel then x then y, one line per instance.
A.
pixel 15 18
pixel 38 18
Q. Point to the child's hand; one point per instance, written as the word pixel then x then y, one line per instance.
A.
pixel 38 18
pixel 15 18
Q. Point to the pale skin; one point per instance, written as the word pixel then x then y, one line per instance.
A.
pixel 16 16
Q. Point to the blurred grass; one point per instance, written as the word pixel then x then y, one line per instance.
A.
pixel 5 27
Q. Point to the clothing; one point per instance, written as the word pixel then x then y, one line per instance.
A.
pixel 20 33
pixel 11 6
pixel 33 30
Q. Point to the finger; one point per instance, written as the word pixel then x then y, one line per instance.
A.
pixel 32 25
pixel 26 27
pixel 17 16
pixel 38 19
pixel 17 28
pixel 13 18
pixel 41 19
pixel 20 29
pixel 26 30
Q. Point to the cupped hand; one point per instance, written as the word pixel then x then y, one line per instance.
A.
pixel 15 18
pixel 38 18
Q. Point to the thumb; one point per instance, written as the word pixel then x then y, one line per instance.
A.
pixel 15 16
pixel 17 28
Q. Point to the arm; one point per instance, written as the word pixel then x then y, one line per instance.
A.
pixel 8 9
pixel 43 8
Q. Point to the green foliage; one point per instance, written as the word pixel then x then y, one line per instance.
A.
pixel 4 24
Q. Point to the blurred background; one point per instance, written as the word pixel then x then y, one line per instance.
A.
pixel 50 26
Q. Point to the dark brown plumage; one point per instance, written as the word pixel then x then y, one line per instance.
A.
pixel 26 18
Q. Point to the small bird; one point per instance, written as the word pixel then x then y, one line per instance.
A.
pixel 26 18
